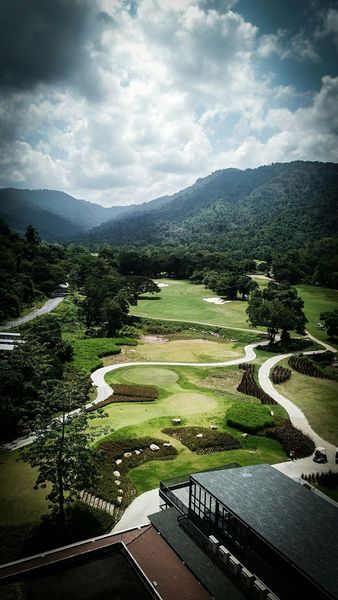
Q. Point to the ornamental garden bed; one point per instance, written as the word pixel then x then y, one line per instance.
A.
pixel 212 441
pixel 249 386
pixel 108 452
pixel 292 439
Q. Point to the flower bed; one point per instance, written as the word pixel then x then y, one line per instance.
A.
pixel 280 374
pixel 212 441
pixel 304 365
pixel 249 417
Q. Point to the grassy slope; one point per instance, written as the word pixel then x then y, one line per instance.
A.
pixel 20 503
pixel 316 301
pixel 318 399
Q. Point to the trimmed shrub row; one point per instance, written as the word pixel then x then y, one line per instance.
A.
pixel 128 393
pixel 148 392
pixel 328 479
pixel 249 417
pixel 280 374
pixel 304 365
pixel 249 386
pixel 212 441
pixel 291 439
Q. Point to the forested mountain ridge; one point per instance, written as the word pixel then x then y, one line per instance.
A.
pixel 57 216
pixel 283 205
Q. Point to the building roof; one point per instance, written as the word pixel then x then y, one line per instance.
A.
pixel 209 574
pixel 297 522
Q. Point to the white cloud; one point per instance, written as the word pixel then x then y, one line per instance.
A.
pixel 287 46
pixel 329 25
pixel 180 94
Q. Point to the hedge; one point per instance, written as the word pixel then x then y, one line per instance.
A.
pixel 249 417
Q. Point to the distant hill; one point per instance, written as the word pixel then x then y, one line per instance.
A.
pixel 56 215
pixel 283 205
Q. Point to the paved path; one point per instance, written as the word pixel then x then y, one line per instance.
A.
pixel 46 308
pixel 137 512
pixel 104 390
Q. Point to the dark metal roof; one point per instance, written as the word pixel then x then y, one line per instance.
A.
pixel 212 577
pixel 297 522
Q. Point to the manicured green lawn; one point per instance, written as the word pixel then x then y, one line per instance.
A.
pixel 184 300
pixel 318 399
pixel 19 502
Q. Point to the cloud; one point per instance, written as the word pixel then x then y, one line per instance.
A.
pixel 288 46
pixel 143 99
pixel 329 25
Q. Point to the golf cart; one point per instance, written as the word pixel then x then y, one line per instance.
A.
pixel 320 456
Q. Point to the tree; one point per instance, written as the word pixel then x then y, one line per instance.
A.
pixel 331 322
pixel 277 307
pixel 139 285
pixel 60 452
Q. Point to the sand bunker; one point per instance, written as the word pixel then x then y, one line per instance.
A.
pixel 153 339
pixel 216 300
pixel 161 284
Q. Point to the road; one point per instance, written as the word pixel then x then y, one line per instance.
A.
pixel 46 308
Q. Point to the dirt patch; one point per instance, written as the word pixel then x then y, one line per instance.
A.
pixel 224 381
pixel 153 339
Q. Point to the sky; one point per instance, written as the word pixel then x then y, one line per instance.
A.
pixel 122 101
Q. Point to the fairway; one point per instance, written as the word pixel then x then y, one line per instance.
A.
pixel 184 300
pixel 181 350
pixel 318 399
pixel 316 301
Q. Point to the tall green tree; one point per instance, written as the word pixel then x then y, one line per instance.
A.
pixel 330 319
pixel 278 307
pixel 61 450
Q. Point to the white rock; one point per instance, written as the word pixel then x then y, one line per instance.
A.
pixel 118 461
pixel 167 444
pixel 137 452
pixel 154 447
pixel 120 492
pixel 176 421
pixel 119 499
pixel 128 454
pixel 213 426
pixel 141 450
pixel 117 482
pixel 199 435
pixel 117 474
pixel 244 435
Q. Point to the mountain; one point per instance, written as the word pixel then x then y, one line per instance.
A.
pixel 280 205
pixel 56 215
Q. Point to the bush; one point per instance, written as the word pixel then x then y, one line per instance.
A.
pixel 306 366
pixel 249 417
pixel 87 352
pixel 129 393
pixel 280 374
pixel 212 441
pixel 292 439
pixel 249 386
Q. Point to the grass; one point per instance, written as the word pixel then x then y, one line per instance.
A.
pixel 318 399
pixel 181 394
pixel 316 301
pixel 183 350
pixel 184 300
pixel 19 502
